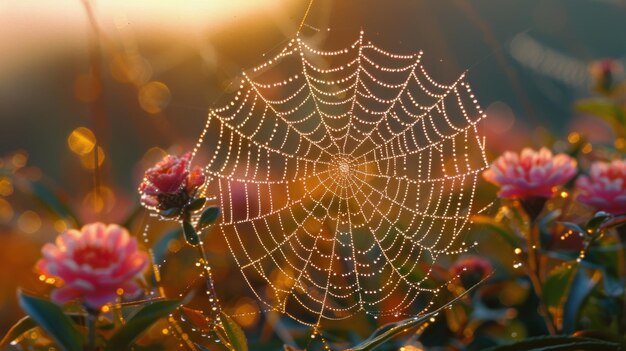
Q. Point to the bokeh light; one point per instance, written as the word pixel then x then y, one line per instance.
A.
pixel 60 225
pixel 29 222
pixel 19 159
pixel 573 138
pixel 154 97
pixel 88 161
pixel 246 312
pixel 153 155
pixel 101 200
pixel 6 211
pixel 411 348
pixel 130 68
pixel 81 141
pixel 6 186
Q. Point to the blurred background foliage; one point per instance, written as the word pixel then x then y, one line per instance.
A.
pixel 134 80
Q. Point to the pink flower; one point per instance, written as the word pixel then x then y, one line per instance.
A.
pixel 605 187
pixel 170 183
pixel 93 264
pixel 530 174
pixel 471 269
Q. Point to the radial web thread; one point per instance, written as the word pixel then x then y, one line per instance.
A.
pixel 342 176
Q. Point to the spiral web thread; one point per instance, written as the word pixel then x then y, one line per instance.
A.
pixel 342 176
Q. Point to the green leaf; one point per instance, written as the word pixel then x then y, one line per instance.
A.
pixel 208 216
pixel 125 337
pixel 609 262
pixel 594 223
pixel 389 331
pixel 52 202
pixel 22 326
pixel 196 204
pixel 51 318
pixel 554 343
pixel 170 212
pixel 556 287
pixel 613 286
pixel 233 336
pixel 582 285
pixel 614 222
pixel 197 318
pixel 191 236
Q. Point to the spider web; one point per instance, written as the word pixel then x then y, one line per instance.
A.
pixel 343 176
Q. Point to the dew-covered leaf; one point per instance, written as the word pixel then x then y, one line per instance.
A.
pixel 191 236
pixel 208 216
pixel 53 321
pixel 391 330
pixel 556 287
pixel 233 337
pixel 125 337
pixel 581 286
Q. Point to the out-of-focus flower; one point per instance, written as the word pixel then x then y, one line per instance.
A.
pixel 603 73
pixel 170 184
pixel 95 263
pixel 531 173
pixel 471 269
pixel 605 187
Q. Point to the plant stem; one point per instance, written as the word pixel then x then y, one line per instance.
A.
pixel 92 316
pixel 215 308
pixel 214 301
pixel 533 274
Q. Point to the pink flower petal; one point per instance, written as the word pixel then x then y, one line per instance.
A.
pixel 531 173
pixel 65 294
pixel 172 176
pixel 605 187
pixel 93 263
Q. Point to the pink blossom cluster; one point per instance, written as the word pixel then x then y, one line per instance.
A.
pixel 530 173
pixel 171 183
pixel 95 264
pixel 605 187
